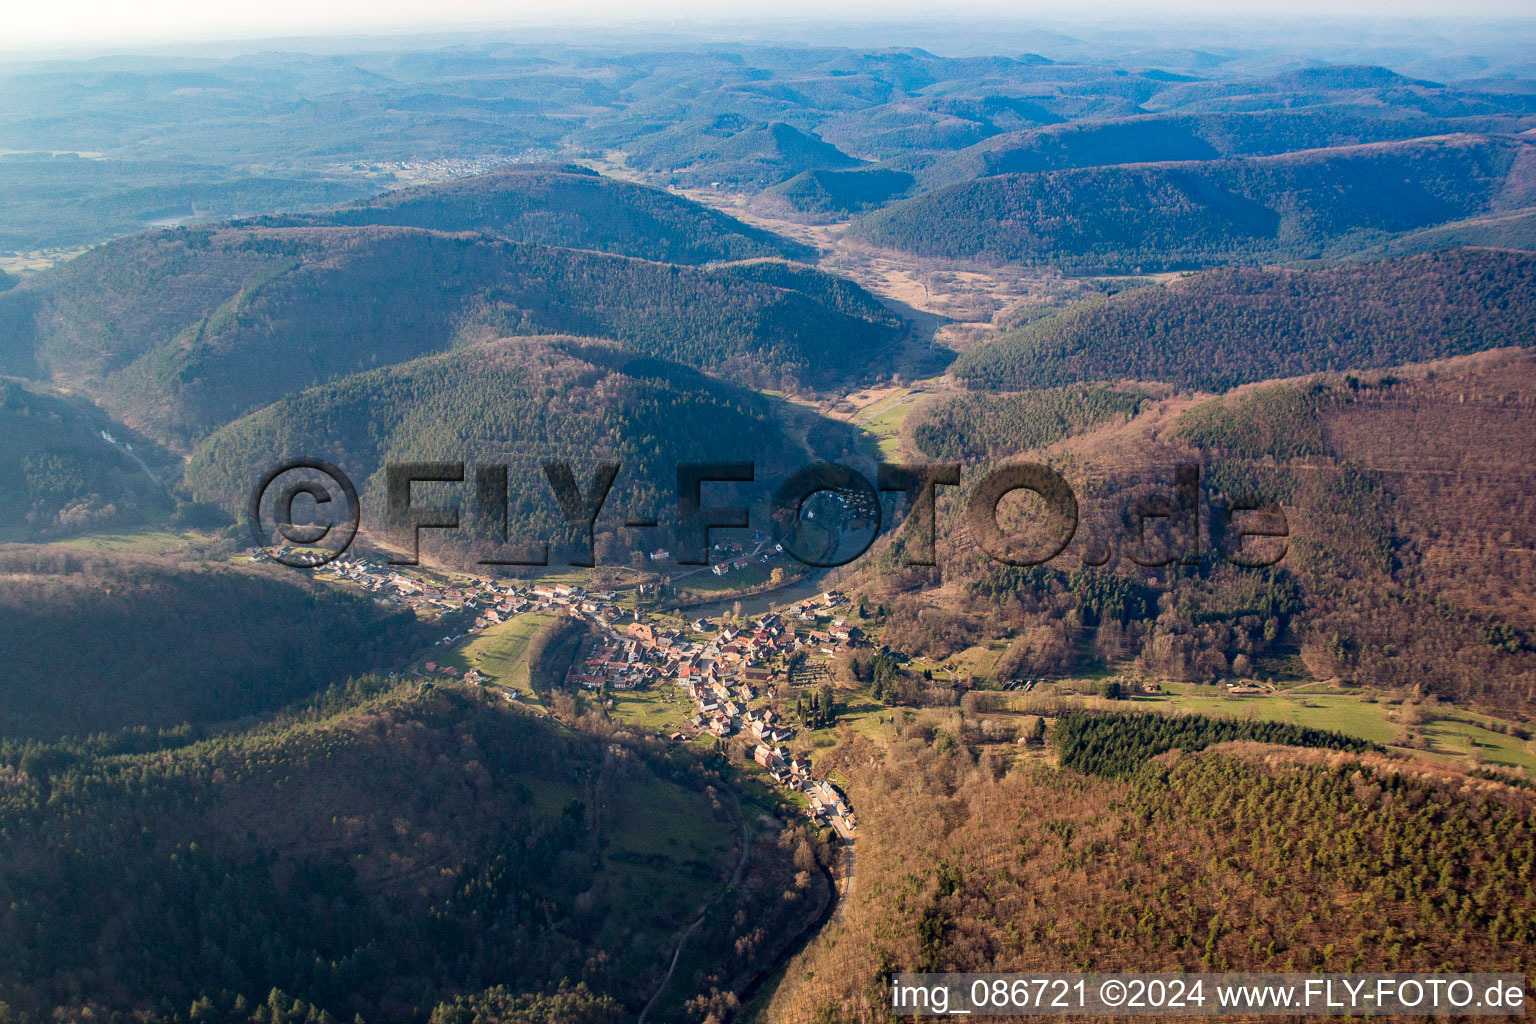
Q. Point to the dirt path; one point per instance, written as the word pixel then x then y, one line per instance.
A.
pixel 682 940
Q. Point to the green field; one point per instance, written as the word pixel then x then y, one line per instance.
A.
pixel 499 653
pixel 1454 734
pixel 1462 735
pixel 148 540
pixel 707 583
pixel 978 661
pixel 883 421
pixel 1349 715
pixel 858 711
pixel 664 708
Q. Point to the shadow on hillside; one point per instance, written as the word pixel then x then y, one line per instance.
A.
pixel 920 354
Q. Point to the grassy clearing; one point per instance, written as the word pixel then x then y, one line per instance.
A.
pixel 707 583
pixel 666 852
pixel 663 708
pixel 857 711
pixel 885 425
pixel 500 653
pixel 1464 735
pixel 148 540
pixel 1349 715
pixel 978 661
pixel 1455 735
pixel 654 820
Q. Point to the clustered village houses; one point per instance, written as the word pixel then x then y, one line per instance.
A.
pixel 725 670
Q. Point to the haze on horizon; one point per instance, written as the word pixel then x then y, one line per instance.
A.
pixel 102 25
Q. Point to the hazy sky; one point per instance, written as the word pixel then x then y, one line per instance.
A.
pixel 48 24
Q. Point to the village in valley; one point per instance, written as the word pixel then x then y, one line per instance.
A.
pixel 733 673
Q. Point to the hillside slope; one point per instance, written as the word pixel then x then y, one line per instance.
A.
pixel 833 194
pixel 1162 137
pixel 1185 214
pixel 180 332
pixel 1220 328
pixel 518 402
pixel 726 148
pixel 565 206
pixel 1408 563
pixel 1411 495
pixel 98 643
pixel 391 848
pixel 61 473
pixel 977 857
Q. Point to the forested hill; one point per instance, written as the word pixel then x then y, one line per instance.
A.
pixel 390 847
pixel 836 293
pixel 975 426
pixel 1239 857
pixel 1193 213
pixel 836 193
pixel 60 473
pixel 179 332
pixel 518 402
pixel 98 643
pixel 1220 328
pixel 566 206
pixel 725 148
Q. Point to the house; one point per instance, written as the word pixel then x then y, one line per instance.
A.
pixel 763 756
pixel 640 631
pixel 831 797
